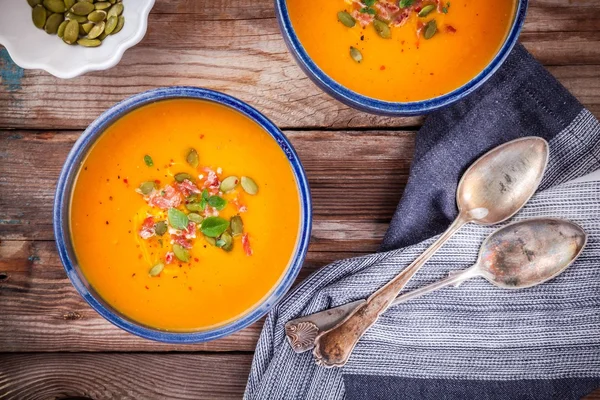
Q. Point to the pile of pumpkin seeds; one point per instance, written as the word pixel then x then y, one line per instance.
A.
pixel 83 22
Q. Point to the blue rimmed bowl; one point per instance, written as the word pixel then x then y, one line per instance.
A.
pixel 375 106
pixel 62 202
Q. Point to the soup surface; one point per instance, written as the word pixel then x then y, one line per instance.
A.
pixel 404 50
pixel 159 231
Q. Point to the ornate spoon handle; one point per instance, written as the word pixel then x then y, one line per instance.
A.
pixel 334 347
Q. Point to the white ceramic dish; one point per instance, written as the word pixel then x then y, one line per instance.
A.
pixel 32 48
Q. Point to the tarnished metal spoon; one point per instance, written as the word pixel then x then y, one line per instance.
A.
pixel 492 190
pixel 517 256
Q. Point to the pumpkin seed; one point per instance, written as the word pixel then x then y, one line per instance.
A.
pixel 147 187
pixel 103 35
pixel 157 269
pixel 69 3
pixel 71 32
pixel 426 10
pixel 194 207
pixel 111 24
pixel 89 42
pixel 237 225
pixel 249 185
pixel 356 54
pixel 84 29
pixel 229 183
pixel 78 18
pixel 79 8
pixel 345 18
pixel 96 30
pixel 192 158
pixel 102 5
pixel 120 24
pixel 97 16
pixel 53 22
pixel 430 29
pixel 56 6
pixel 181 253
pixel 225 241
pixel 116 10
pixel 212 241
pixel 34 3
pixel 61 29
pixel 160 228
pixel 382 29
pixel 197 218
pixel 182 176
pixel 38 15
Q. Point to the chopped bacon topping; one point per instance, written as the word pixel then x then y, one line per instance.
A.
pixel 186 188
pixel 401 18
pixel 363 19
pixel 190 232
pixel 241 207
pixel 246 244
pixel 147 230
pixel 181 240
pixel 211 182
pixel 385 10
pixel 169 257
pixel 166 198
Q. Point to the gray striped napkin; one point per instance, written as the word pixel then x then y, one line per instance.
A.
pixel 476 341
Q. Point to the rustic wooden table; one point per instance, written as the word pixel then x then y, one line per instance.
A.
pixel 52 343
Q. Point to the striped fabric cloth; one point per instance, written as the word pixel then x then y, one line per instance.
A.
pixel 475 341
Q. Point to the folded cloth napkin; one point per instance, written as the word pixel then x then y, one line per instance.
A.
pixel 476 341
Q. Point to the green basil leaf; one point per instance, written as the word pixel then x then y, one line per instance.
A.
pixel 177 219
pixel 205 194
pixel 405 3
pixel 217 202
pixel 214 226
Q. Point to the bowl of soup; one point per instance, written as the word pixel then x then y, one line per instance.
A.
pixel 400 57
pixel 182 215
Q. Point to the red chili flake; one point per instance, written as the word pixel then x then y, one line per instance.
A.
pixel 201 136
pixel 195 259
pixel 132 275
pixel 417 9
pixel 147 287
pixel 157 181
pixel 450 29
pixel 125 181
pixel 189 287
pixel 382 68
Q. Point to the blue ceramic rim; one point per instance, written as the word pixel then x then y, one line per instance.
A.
pixel 381 107
pixel 62 203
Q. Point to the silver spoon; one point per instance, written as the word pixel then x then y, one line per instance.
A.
pixel 519 255
pixel 492 190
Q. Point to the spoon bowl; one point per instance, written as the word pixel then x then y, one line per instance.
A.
pixel 530 252
pixel 499 183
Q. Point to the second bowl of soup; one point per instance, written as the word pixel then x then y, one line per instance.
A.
pixel 182 215
pixel 400 57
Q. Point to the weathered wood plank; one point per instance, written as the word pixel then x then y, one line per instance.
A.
pixel 335 163
pixel 123 376
pixel 264 74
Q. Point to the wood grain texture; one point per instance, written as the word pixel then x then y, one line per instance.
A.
pixel 41 311
pixel 123 376
pixel 248 59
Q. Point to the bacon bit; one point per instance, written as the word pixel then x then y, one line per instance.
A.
pixel 239 205
pixel 182 241
pixel 363 19
pixel 147 230
pixel 187 187
pixel 211 212
pixel 246 244
pixel 385 9
pixel 211 182
pixel 190 232
pixel 166 198
pixel 400 19
pixel 169 257
pixel 450 29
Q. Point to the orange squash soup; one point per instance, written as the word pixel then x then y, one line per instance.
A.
pixel 184 215
pixel 402 50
